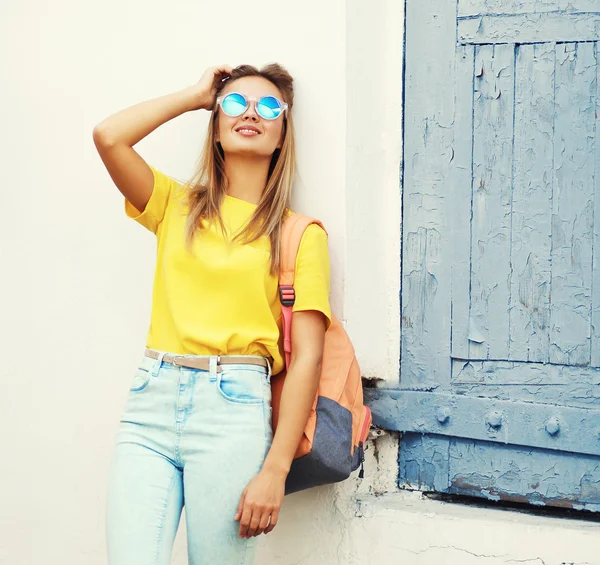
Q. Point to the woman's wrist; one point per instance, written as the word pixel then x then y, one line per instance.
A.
pixel 196 99
pixel 276 468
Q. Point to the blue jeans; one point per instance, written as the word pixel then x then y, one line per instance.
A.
pixel 187 437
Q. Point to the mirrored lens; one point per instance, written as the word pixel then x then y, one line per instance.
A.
pixel 269 108
pixel 234 104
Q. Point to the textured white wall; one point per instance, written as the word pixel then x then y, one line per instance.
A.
pixel 405 529
pixel 374 55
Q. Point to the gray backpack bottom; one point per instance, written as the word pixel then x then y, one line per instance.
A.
pixel 330 460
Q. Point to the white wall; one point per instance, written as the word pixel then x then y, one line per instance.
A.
pixel 75 275
pixel 374 52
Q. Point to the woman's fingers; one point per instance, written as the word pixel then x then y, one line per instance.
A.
pixel 205 89
pixel 254 523
pixel 222 70
pixel 219 74
pixel 245 520
pixel 259 508
pixel 240 508
pixel 264 522
pixel 213 72
pixel 273 522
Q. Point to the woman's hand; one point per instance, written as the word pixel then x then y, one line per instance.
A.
pixel 205 89
pixel 258 510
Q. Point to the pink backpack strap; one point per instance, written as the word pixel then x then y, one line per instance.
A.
pixel 291 235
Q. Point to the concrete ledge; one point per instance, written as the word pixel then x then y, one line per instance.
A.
pixel 407 528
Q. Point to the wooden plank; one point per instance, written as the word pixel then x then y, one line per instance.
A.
pixel 483 7
pixel 575 395
pixel 573 204
pixel 516 373
pixel 530 28
pixel 491 215
pixel 539 383
pixel 488 419
pixel 424 462
pixel 535 476
pixel 529 310
pixel 462 190
pixel 429 111
pixel 595 329
pixel 480 7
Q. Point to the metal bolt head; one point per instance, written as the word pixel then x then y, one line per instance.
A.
pixel 494 419
pixel 443 414
pixel 553 426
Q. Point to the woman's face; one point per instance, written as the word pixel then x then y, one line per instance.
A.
pixel 249 133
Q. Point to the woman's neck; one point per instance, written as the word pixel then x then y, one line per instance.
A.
pixel 247 177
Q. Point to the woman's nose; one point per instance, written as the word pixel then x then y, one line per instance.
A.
pixel 250 112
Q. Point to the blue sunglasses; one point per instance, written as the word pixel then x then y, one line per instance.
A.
pixel 235 104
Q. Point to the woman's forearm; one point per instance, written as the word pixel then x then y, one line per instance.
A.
pixel 131 125
pixel 297 399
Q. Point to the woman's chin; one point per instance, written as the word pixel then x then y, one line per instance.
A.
pixel 248 150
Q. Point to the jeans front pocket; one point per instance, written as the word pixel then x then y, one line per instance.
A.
pixel 140 381
pixel 240 385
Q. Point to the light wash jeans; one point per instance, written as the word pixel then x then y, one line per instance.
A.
pixel 187 437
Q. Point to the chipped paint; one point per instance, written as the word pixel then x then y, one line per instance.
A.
pixel 514 7
pixel 504 234
pixel 535 424
pixel 480 469
pixel 524 475
pixel 491 200
pixel 425 297
pixel 542 27
pixel 573 204
pixel 531 235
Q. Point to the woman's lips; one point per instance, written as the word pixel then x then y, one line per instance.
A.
pixel 247 132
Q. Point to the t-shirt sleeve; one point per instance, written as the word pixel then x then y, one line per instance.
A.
pixel 311 281
pixel 154 213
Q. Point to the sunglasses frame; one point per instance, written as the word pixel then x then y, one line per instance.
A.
pixel 283 105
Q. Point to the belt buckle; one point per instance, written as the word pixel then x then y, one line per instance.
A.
pixel 177 360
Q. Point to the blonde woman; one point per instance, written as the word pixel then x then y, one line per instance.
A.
pixel 196 428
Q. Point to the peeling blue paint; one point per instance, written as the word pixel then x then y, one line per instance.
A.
pixel 500 346
pixel 535 424
pixel 541 27
pixel 482 469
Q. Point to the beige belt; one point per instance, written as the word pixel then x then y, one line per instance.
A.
pixel 203 362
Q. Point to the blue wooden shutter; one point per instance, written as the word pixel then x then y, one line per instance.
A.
pixel 499 391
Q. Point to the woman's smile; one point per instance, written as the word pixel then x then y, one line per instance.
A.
pixel 247 131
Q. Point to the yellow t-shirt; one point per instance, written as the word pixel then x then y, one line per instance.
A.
pixel 218 298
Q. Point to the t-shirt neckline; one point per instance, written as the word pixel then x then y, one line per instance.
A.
pixel 233 198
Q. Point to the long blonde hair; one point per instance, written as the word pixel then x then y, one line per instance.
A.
pixel 208 185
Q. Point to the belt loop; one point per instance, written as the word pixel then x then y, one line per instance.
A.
pixel 157 365
pixel 268 369
pixel 212 367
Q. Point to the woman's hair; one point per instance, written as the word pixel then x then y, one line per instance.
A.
pixel 209 183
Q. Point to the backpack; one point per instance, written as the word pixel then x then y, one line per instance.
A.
pixel 333 442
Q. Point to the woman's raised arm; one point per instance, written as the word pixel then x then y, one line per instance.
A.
pixel 115 136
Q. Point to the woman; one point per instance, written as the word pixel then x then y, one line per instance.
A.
pixel 196 428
